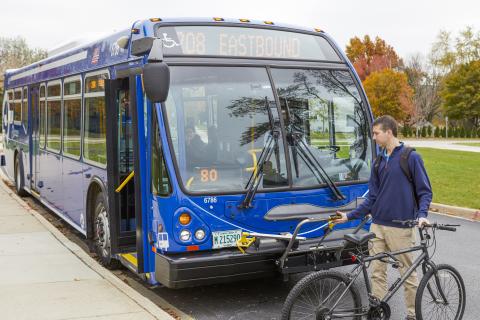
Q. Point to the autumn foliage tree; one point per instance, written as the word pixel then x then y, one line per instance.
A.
pixel 369 56
pixel 389 93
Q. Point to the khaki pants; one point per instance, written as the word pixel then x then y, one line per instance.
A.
pixel 393 239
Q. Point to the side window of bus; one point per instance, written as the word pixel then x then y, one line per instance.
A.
pixel 72 108
pixel 54 101
pixel 25 108
pixel 17 106
pixel 42 117
pixel 160 180
pixel 94 144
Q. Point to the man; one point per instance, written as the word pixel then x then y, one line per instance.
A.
pixel 392 197
pixel 195 148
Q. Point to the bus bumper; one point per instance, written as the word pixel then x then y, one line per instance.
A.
pixel 228 265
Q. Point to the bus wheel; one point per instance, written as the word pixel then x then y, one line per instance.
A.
pixel 101 234
pixel 18 179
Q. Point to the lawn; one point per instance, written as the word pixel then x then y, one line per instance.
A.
pixel 455 176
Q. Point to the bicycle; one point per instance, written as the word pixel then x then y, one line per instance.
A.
pixel 326 295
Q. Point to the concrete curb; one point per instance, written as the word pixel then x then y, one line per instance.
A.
pixel 143 302
pixel 466 213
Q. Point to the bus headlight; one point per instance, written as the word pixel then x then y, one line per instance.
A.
pixel 200 234
pixel 185 235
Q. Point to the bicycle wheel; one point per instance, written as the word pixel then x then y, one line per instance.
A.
pixel 314 296
pixel 429 303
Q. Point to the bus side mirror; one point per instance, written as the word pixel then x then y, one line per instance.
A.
pixel 156 74
pixel 156 81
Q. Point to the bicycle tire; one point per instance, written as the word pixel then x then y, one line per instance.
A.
pixel 450 280
pixel 311 284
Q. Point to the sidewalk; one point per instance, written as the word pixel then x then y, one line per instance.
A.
pixel 43 275
pixel 443 144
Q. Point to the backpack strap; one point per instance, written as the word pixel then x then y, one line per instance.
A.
pixel 404 162
pixel 406 170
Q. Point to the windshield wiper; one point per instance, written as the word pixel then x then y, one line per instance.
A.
pixel 271 145
pixel 300 148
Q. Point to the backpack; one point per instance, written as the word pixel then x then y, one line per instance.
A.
pixel 404 166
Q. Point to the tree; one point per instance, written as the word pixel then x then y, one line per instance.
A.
pixel 389 93
pixel 429 131
pixel 369 56
pixel 15 53
pixel 461 94
pixel 425 81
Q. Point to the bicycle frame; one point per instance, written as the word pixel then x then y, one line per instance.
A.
pixel 423 258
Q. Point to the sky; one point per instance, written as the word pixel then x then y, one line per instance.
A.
pixel 410 26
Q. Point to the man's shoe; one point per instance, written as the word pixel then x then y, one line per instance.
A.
pixel 410 318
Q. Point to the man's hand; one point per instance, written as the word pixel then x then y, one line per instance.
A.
pixel 422 222
pixel 342 219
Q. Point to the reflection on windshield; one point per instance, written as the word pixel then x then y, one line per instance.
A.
pixel 219 125
pixel 324 109
pixel 218 122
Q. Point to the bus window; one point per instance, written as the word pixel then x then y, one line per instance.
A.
pixel 54 118
pixel 42 117
pixel 218 122
pixel 25 108
pixel 160 180
pixel 326 109
pixel 94 146
pixel 17 106
pixel 72 108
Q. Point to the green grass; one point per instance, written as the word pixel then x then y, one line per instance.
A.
pixel 470 144
pixel 454 176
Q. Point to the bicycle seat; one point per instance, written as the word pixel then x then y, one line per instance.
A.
pixel 359 239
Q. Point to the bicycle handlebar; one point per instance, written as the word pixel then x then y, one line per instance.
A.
pixel 414 223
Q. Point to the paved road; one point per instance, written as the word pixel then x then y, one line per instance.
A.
pixel 263 299
pixel 444 144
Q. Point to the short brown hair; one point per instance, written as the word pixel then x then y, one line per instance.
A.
pixel 387 122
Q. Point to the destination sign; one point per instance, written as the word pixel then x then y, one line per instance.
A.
pixel 244 42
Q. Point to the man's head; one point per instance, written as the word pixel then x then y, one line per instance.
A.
pixel 384 130
pixel 189 134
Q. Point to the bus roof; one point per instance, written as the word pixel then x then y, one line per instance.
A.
pixel 107 51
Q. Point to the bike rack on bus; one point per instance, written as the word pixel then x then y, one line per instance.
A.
pixel 292 238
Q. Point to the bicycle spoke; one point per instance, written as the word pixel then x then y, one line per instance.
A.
pixel 433 304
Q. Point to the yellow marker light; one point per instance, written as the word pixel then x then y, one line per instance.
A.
pixel 244 20
pixel 184 218
pixel 135 31
pixel 318 30
pixel 218 19
pixel 155 19
pixel 268 22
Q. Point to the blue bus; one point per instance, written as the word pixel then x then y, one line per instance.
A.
pixel 171 143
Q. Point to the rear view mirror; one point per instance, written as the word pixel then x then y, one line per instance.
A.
pixel 156 81
pixel 156 74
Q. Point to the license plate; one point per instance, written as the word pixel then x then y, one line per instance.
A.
pixel 225 239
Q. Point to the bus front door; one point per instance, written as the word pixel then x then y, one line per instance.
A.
pixel 34 139
pixel 122 181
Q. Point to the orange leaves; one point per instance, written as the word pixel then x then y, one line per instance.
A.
pixel 389 93
pixel 369 56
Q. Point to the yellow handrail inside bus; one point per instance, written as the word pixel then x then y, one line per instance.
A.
pixel 127 179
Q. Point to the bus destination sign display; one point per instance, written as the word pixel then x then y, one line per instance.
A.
pixel 244 42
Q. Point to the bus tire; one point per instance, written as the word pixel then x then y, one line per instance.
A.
pixel 101 234
pixel 19 183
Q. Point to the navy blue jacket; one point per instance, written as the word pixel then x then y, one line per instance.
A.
pixel 390 195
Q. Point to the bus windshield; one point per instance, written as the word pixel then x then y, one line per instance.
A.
pixel 218 123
